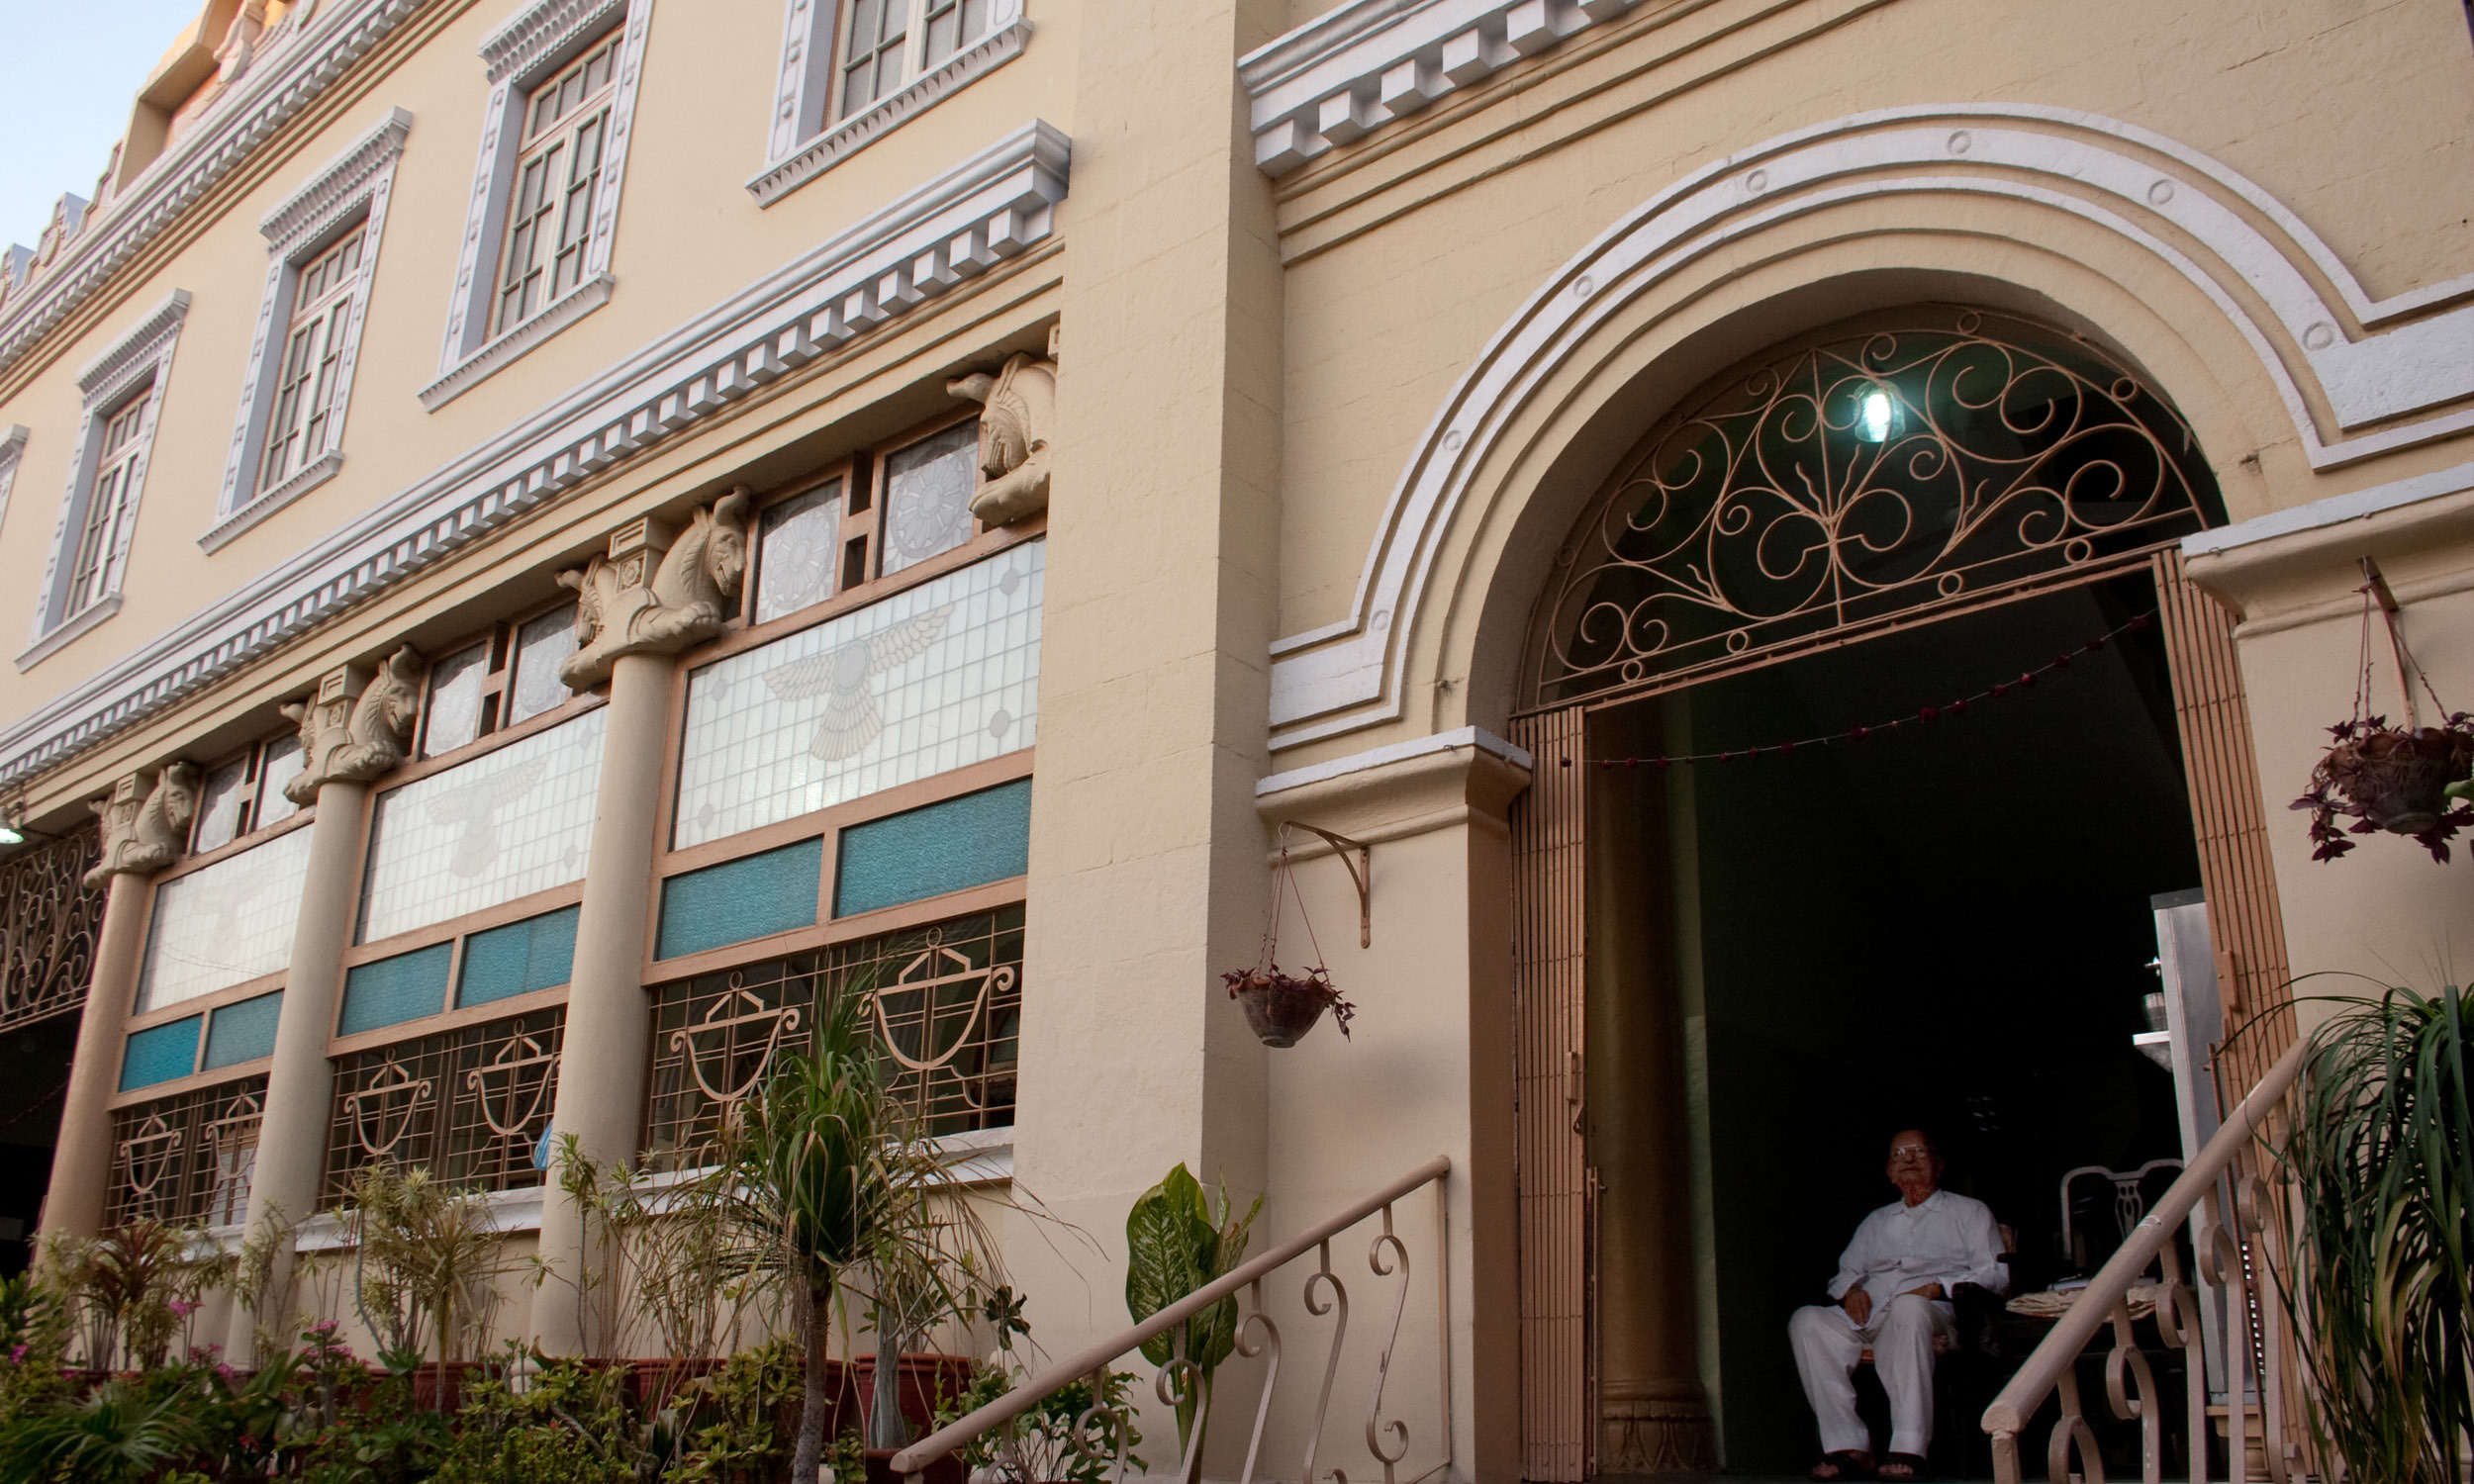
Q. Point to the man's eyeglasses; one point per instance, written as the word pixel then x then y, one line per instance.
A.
pixel 1919 1151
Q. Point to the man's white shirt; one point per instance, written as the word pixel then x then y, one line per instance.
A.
pixel 1947 1239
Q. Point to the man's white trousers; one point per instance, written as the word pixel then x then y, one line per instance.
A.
pixel 1902 1335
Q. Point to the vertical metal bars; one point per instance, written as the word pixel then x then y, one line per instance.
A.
pixel 2244 919
pixel 1551 1167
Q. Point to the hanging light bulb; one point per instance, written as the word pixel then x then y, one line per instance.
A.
pixel 1874 417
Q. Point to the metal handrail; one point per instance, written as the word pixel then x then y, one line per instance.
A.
pixel 914 1459
pixel 2050 1364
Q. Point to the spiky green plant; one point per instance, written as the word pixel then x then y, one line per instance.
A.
pixel 2381 1155
pixel 112 1437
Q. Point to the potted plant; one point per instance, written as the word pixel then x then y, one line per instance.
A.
pixel 2397 780
pixel 1176 1242
pixel 1281 1007
pixel 426 1259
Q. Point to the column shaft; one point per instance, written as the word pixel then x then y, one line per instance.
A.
pixel 601 1084
pixel 81 1165
pixel 300 1082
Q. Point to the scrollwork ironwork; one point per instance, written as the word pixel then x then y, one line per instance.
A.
pixel 187 1157
pixel 48 922
pixel 470 1105
pixel 1870 475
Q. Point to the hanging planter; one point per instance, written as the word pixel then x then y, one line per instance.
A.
pixel 2402 780
pixel 1281 1007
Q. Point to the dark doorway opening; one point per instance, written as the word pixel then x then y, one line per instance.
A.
pixel 1945 925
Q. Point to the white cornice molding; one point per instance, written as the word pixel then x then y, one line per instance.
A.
pixel 57 639
pixel 2334 511
pixel 341 34
pixel 989 208
pixel 1351 71
pixel 2394 373
pixel 511 346
pixel 140 344
pixel 1397 752
pixel 868 125
pixel 534 35
pixel 305 478
pixel 340 186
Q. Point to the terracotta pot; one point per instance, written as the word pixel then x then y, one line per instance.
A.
pixel 440 1386
pixel 944 1470
pixel 1281 1011
pixel 2398 779
pixel 658 1379
pixel 921 1382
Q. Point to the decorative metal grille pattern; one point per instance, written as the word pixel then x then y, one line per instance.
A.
pixel 1859 479
pixel 186 1158
pixel 471 1106
pixel 48 926
pixel 945 1003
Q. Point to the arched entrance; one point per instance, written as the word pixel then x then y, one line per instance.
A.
pixel 1871 709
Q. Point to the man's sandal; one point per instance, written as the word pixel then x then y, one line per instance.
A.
pixel 1902 1466
pixel 1845 1463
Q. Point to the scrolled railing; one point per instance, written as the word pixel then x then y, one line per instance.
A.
pixel 1099 1434
pixel 2247 1343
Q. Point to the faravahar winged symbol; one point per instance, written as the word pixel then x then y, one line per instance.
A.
pixel 473 809
pixel 840 675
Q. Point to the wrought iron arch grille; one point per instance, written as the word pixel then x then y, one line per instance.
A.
pixel 1860 478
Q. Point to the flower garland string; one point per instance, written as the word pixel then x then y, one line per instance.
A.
pixel 1922 715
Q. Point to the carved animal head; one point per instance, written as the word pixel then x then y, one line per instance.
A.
pixel 386 710
pixel 176 795
pixel 724 528
pixel 1020 401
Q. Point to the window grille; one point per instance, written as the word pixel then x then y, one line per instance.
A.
pixel 48 919
pixel 943 1003
pixel 472 1106
pixel 186 1158
pixel 107 503
pixel 322 304
pixel 549 218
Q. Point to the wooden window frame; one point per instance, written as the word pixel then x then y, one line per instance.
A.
pixel 305 385
pixel 554 210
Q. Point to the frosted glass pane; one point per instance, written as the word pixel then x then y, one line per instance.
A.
pixel 538 953
pixel 280 764
pixel 798 542
pixel 539 646
pixel 220 799
pixel 161 1054
pixel 225 925
pixel 505 825
pixel 927 496
pixel 770 892
pixel 944 846
pixel 393 990
pixel 453 713
pixel 942 676
pixel 244 1032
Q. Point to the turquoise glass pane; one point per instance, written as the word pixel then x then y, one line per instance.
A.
pixel 739 900
pixel 538 953
pixel 944 846
pixel 393 990
pixel 244 1032
pixel 160 1052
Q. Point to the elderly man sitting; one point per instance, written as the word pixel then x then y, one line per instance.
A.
pixel 1893 1292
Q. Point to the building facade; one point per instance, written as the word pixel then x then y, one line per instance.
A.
pixel 1780 527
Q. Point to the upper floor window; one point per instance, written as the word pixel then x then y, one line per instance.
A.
pixel 107 503
pixel 321 244
pixel 305 386
pixel 245 793
pixel 549 223
pixel 889 41
pixel 854 69
pixel 506 677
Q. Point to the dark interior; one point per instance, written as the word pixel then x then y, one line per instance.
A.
pixel 1945 925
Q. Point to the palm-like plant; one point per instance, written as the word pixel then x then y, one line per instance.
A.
pixel 831 1170
pixel 112 1437
pixel 2381 1155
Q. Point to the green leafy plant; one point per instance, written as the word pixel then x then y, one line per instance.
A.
pixel 2381 1157
pixel 427 1262
pixel 1176 1242
pixel 737 1437
pixel 1041 1446
pixel 112 1437
pixel 133 1289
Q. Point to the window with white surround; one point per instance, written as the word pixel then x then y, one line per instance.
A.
pixel 12 448
pixel 123 392
pixel 853 69
pixel 321 245
pixel 544 206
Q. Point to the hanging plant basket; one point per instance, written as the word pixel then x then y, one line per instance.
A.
pixel 1280 1006
pixel 2402 780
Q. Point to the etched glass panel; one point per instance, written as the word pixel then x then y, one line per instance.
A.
pixel 796 544
pixel 453 714
pixel 244 1032
pixel 220 799
pixel 505 825
pixel 225 925
pixel 539 646
pixel 161 1054
pixel 946 846
pixel 927 496
pixel 279 764
pixel 942 676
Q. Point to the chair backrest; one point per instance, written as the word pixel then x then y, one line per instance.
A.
pixel 2129 1199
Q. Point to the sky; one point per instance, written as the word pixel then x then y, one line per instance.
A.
pixel 69 69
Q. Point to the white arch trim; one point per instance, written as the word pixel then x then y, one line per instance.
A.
pixel 2406 355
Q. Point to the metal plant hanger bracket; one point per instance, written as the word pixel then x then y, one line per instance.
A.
pixel 1361 872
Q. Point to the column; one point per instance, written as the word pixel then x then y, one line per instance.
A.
pixel 352 730
pixel 1653 1414
pixel 139 840
pixel 652 595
